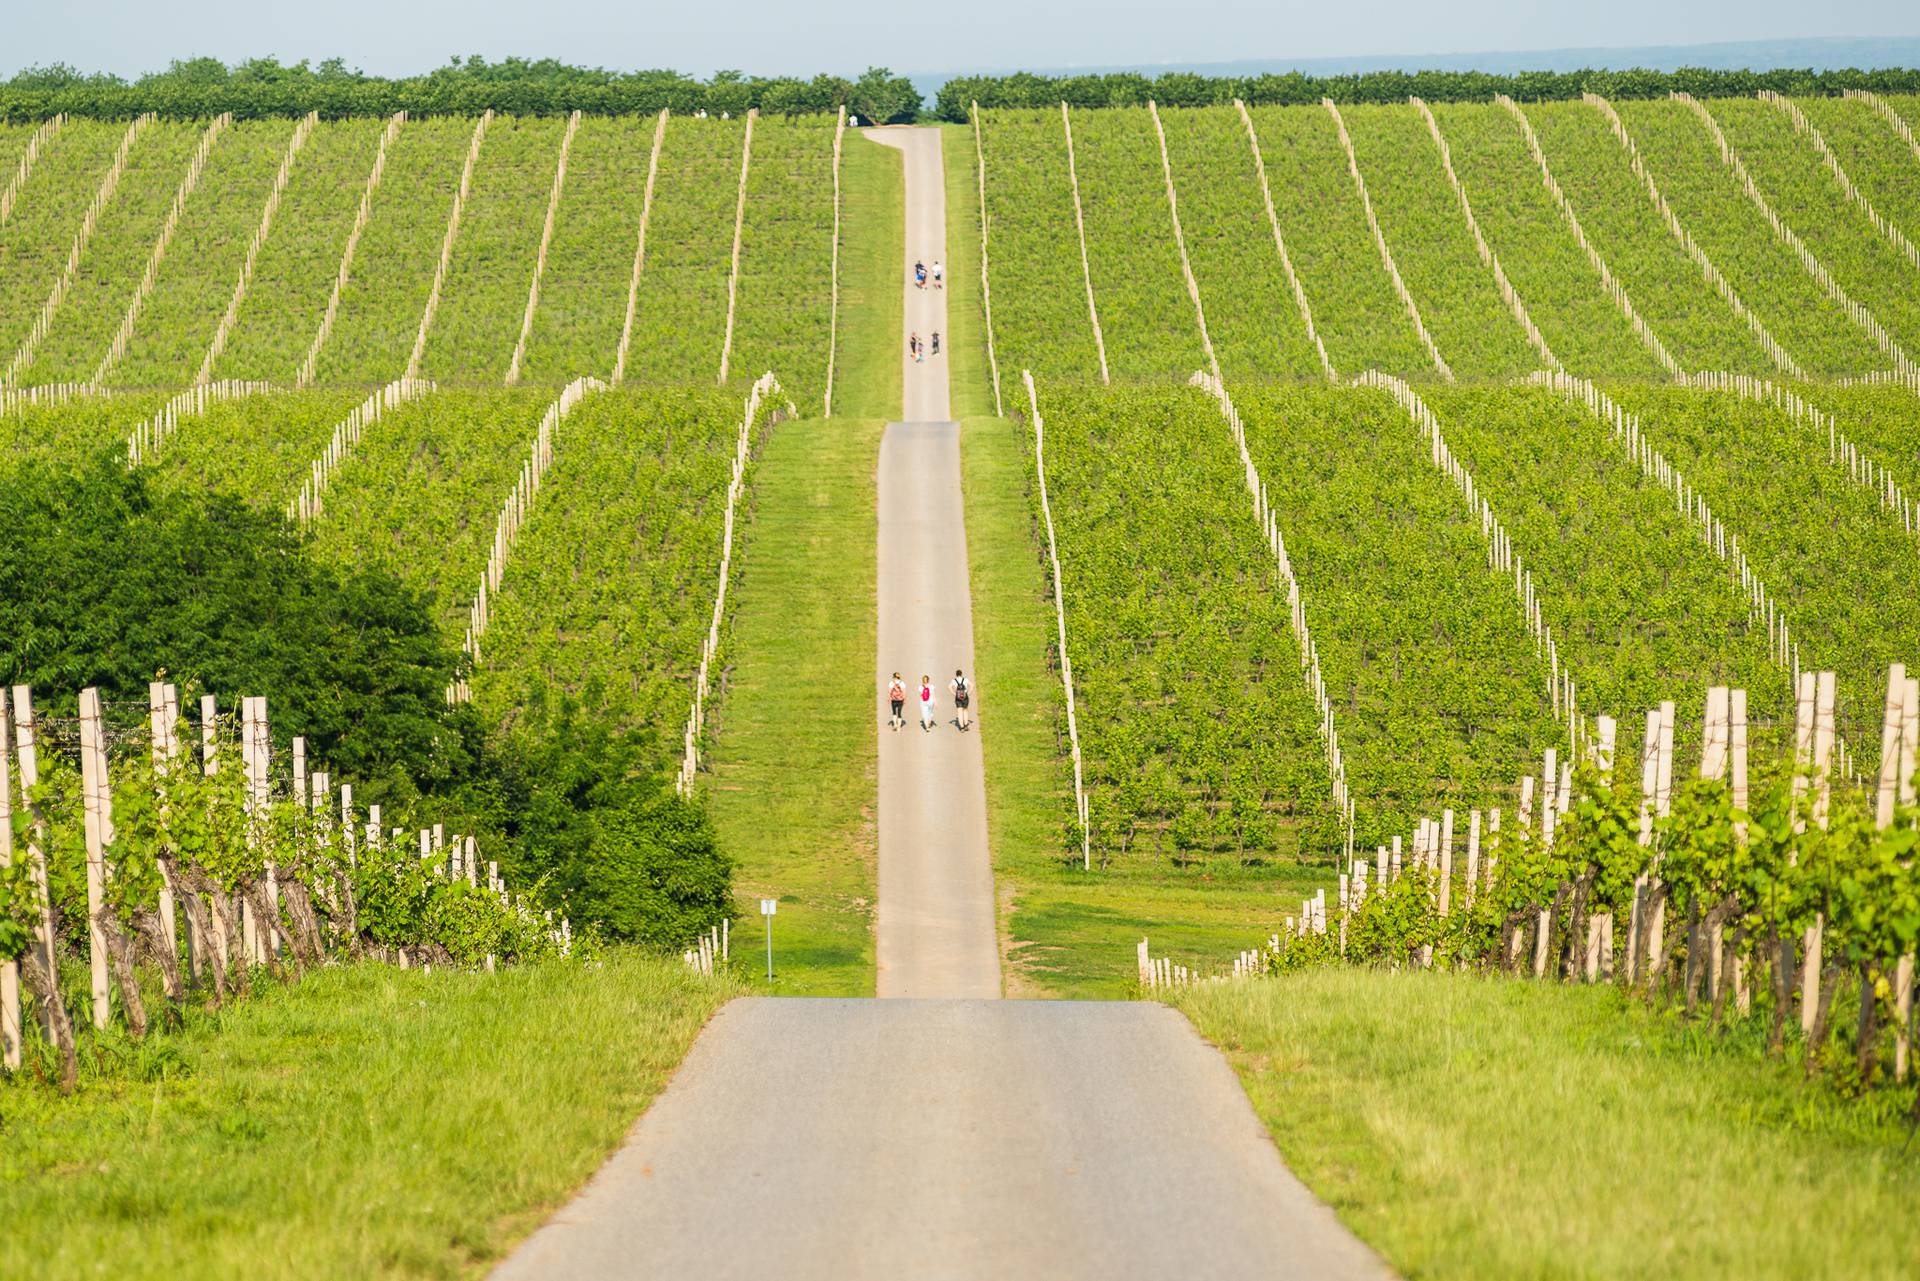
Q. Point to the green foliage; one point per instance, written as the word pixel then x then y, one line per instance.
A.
pixel 1438 690
pixel 680 318
pixel 1256 330
pixel 1563 292
pixel 610 589
pixel 39 234
pixel 204 259
pixel 784 305
pixel 1146 317
pixel 600 829
pixel 485 295
pixel 1033 251
pixel 1186 89
pixel 116 254
pixel 103 572
pixel 393 268
pixel 295 273
pixel 1839 563
pixel 1197 729
pixel 583 299
pixel 1667 288
pixel 1355 310
pixel 264 87
pixel 1645 611
pixel 1795 180
pixel 1432 247
pixel 1682 157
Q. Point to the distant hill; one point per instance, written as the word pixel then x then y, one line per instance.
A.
pixel 1818 54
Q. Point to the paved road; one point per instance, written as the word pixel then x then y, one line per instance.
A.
pixel 924 382
pixel 942 1138
pixel 935 932
pixel 936 1139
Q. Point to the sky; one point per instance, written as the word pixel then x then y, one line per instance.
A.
pixel 801 37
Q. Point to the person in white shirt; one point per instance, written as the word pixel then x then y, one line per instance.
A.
pixel 939 274
pixel 926 703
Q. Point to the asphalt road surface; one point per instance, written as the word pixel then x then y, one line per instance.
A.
pixel 955 1135
pixel 935 930
pixel 853 1139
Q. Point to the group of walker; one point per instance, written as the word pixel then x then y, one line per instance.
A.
pixel 960 686
pixel 915 348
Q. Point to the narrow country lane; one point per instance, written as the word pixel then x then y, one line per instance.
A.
pixel 935 935
pixel 946 1134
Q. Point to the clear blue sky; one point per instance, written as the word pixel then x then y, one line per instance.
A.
pixel 803 36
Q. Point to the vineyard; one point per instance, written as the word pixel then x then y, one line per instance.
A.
pixel 466 249
pixel 1535 416
pixel 482 383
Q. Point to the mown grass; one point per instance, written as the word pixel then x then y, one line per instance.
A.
pixel 362 1122
pixel 1484 1128
pixel 873 222
pixel 970 383
pixel 1064 931
pixel 795 763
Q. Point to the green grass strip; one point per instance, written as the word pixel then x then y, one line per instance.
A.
pixel 362 1122
pixel 795 767
pixel 873 226
pixel 1488 1128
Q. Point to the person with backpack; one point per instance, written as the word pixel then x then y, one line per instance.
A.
pixel 962 699
pixel 919 275
pixel 897 701
pixel 926 703
pixel 913 346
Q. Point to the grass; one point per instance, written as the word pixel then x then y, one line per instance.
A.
pixel 363 1122
pixel 1489 1128
pixel 1064 931
pixel 873 229
pixel 970 381
pixel 795 765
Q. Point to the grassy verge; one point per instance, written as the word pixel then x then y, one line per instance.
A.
pixel 795 762
pixel 365 1121
pixel 1066 932
pixel 971 384
pixel 873 215
pixel 1487 1128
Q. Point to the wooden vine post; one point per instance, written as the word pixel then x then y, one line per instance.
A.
pixel 97 807
pixel 1896 787
pixel 44 956
pixel 162 717
pixel 10 1029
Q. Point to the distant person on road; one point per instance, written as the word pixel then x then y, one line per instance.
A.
pixel 936 342
pixel 926 703
pixel 962 699
pixel 919 275
pixel 939 275
pixel 897 700
pixel 913 345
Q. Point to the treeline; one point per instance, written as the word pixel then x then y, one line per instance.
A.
pixel 201 87
pixel 198 88
pixel 1188 89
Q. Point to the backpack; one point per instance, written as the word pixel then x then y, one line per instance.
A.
pixel 960 688
pixel 896 691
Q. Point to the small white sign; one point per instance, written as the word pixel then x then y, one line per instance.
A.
pixel 768 906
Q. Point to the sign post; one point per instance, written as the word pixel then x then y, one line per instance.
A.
pixel 768 907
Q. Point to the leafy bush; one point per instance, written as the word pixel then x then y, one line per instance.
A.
pixel 103 572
